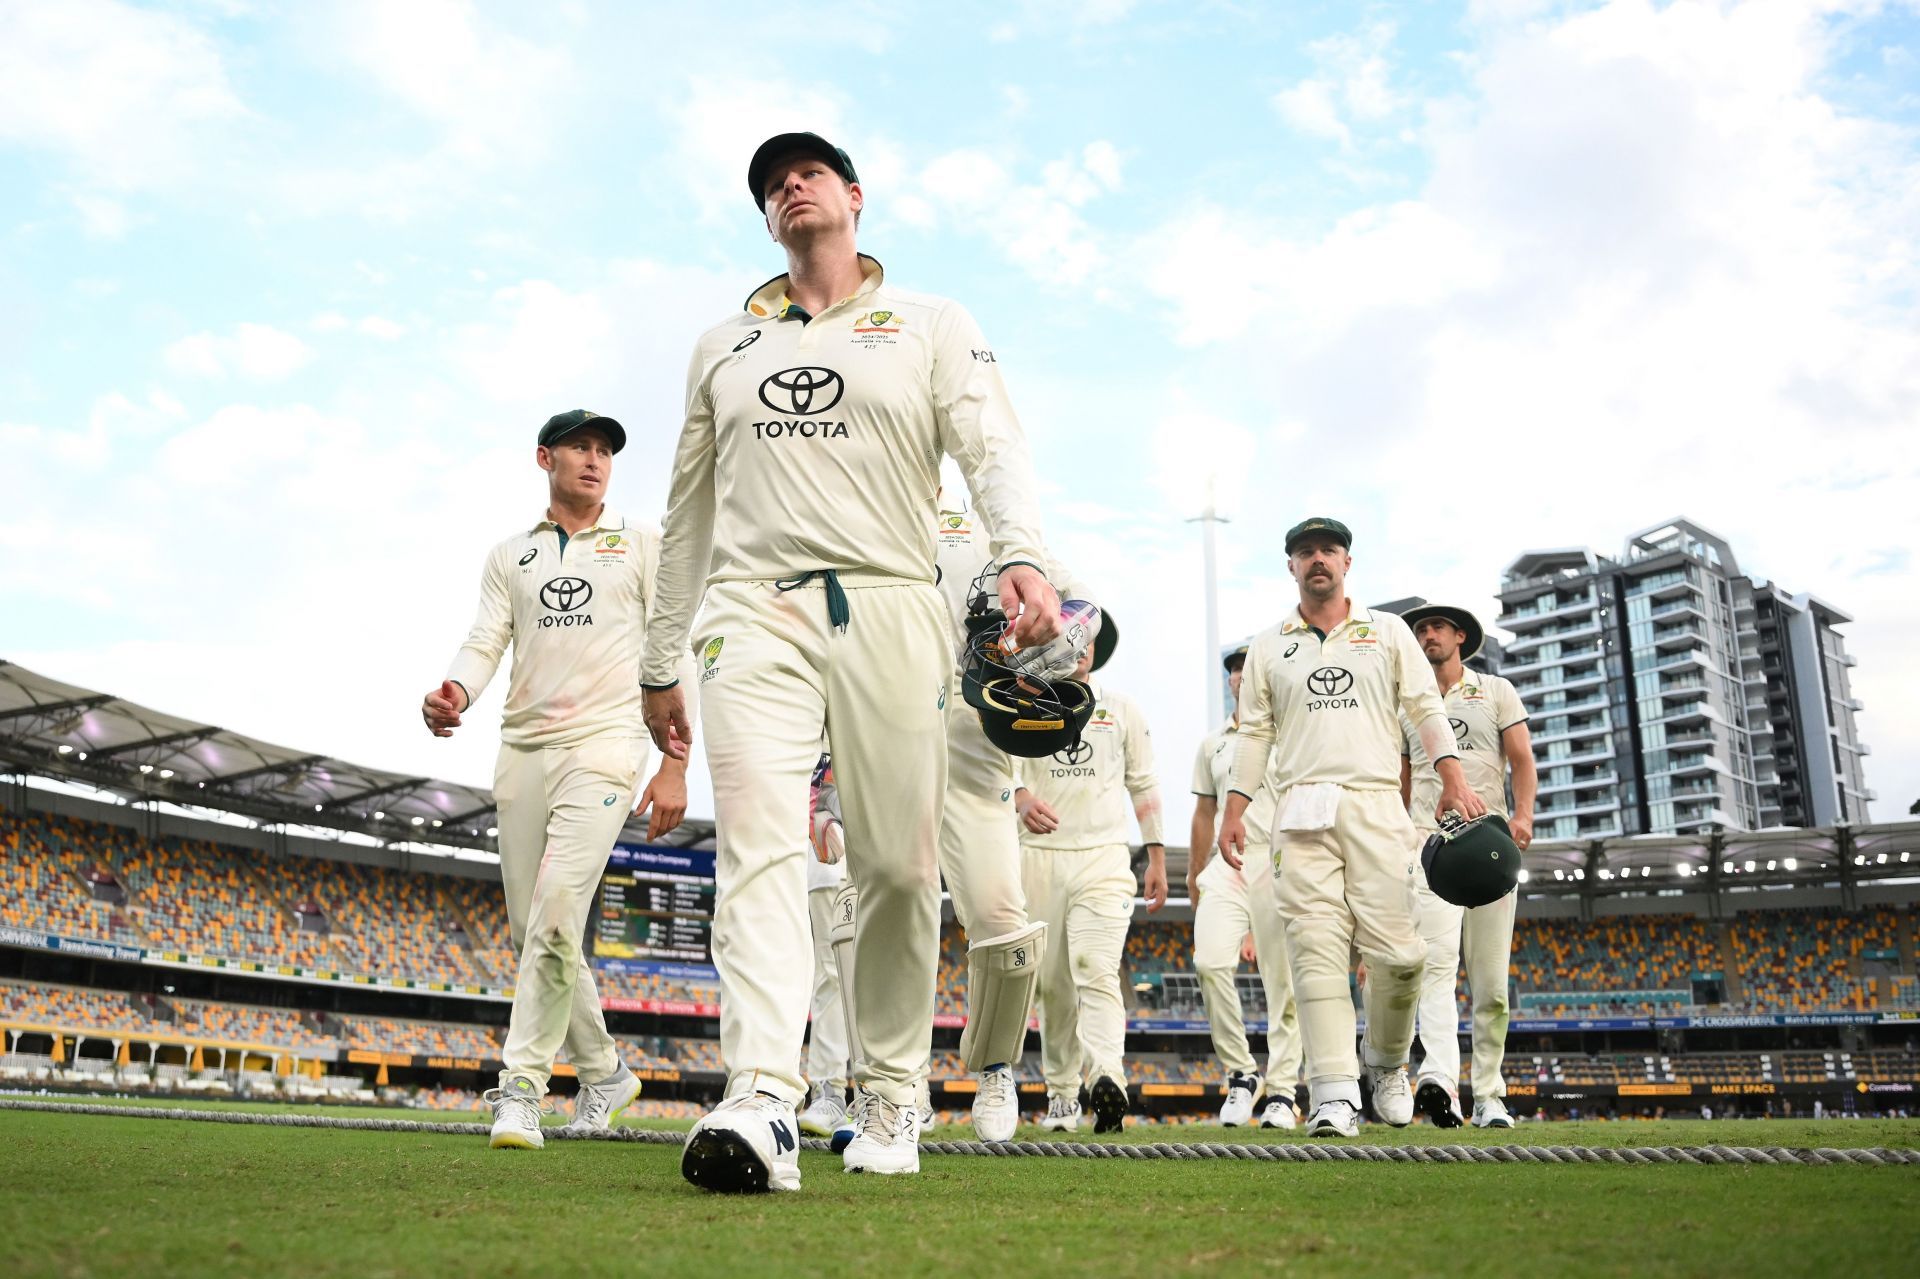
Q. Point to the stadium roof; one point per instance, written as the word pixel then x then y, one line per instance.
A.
pixel 96 739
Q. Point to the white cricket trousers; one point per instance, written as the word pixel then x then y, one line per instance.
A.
pixel 560 809
pixel 1345 888
pixel 979 833
pixel 781 674
pixel 827 1059
pixel 1484 935
pixel 1232 906
pixel 1085 896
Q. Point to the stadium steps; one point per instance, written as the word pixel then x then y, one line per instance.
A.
pixel 1729 963
pixel 467 935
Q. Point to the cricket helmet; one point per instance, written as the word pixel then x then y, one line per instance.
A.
pixel 1022 712
pixel 1471 863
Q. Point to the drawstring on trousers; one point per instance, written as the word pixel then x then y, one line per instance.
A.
pixel 836 596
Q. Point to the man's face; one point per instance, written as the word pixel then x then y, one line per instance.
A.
pixel 579 465
pixel 1320 566
pixel 1084 667
pixel 1439 639
pixel 1233 682
pixel 806 198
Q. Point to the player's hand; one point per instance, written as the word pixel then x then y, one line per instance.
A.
pixel 1458 797
pixel 1030 603
pixel 666 713
pixel 1233 840
pixel 666 794
pixel 1156 884
pixel 1039 817
pixel 829 838
pixel 1248 955
pixel 1522 828
pixel 441 708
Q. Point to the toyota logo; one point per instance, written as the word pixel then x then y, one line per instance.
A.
pixel 1460 729
pixel 1329 681
pixel 564 594
pixel 1078 753
pixel 802 391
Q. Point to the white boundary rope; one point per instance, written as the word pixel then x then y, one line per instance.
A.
pixel 1277 1152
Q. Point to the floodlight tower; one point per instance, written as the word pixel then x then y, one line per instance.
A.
pixel 1216 675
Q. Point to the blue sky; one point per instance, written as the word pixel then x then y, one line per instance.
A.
pixel 289 288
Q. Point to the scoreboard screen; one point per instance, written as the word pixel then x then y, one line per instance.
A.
pixel 656 904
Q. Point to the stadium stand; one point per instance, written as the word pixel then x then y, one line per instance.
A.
pixel 48 860
pixel 242 1023
pixel 392 1034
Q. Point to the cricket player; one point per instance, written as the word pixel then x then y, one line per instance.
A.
pixel 1490 728
pixel 1322 699
pixel 1076 807
pixel 829 1065
pixel 801 503
pixel 573 595
pixel 980 857
pixel 1234 913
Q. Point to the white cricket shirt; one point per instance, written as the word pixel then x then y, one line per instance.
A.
pixel 815 442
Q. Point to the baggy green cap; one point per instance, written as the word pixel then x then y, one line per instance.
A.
pixel 1319 524
pixel 770 151
pixel 561 425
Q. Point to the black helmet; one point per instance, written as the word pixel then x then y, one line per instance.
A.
pixel 1471 863
pixel 1023 715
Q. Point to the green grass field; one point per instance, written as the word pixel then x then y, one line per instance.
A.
pixel 88 1195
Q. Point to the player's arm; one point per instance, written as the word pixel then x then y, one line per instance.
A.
pixel 1200 842
pixel 1517 742
pixel 479 657
pixel 686 552
pixel 1143 784
pixel 1420 704
pixel 1406 783
pixel 1250 754
pixel 979 430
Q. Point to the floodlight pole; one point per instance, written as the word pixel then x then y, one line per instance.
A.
pixel 1216 676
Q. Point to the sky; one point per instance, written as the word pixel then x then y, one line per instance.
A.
pixel 289 289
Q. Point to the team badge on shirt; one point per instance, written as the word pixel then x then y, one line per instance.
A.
pixel 709 656
pixel 878 328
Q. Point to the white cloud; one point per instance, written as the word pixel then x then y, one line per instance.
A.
pixel 1653 272
pixel 1309 107
pixel 329 322
pixel 1038 226
pixel 1351 82
pixel 378 326
pixel 127 96
pixel 258 352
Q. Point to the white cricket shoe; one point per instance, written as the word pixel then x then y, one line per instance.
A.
pixel 516 1115
pixel 1238 1107
pixel 1439 1101
pixel 1491 1112
pixel 1334 1119
pixel 825 1112
pixel 996 1105
pixel 1392 1095
pixel 1279 1114
pixel 888 1139
pixel 1063 1113
pixel 746 1144
pixel 848 1128
pixel 596 1106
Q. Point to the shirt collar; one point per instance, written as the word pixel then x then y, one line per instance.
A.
pixel 770 301
pixel 1355 613
pixel 609 519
